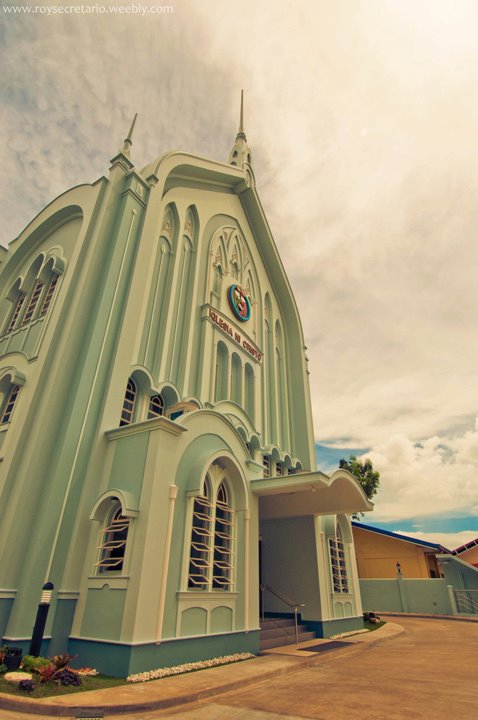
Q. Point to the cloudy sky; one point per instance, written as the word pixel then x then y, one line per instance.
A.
pixel 362 118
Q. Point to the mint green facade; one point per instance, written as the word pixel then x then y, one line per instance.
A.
pixel 144 261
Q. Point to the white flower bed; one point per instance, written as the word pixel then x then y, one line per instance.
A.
pixel 346 634
pixel 86 672
pixel 187 667
pixel 16 676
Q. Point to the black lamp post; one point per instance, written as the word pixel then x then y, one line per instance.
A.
pixel 40 621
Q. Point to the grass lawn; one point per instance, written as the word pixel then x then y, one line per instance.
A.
pixel 373 626
pixel 44 690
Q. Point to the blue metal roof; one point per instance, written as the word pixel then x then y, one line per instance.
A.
pixel 397 536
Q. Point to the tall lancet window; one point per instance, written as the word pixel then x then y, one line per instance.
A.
pixel 114 536
pixel 211 555
pixel 338 562
pixel 129 403
pixel 9 405
pixel 223 526
pixel 16 310
pixel 202 534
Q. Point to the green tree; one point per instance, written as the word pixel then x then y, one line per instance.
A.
pixel 362 471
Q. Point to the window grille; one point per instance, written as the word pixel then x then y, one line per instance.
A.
pixel 113 543
pixel 156 406
pixel 128 404
pixel 201 539
pixel 266 464
pixel 211 555
pixel 15 312
pixel 338 563
pixel 49 294
pixel 222 569
pixel 291 471
pixel 33 302
pixel 9 405
pixel 278 468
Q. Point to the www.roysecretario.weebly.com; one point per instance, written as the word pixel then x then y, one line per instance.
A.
pixel 131 9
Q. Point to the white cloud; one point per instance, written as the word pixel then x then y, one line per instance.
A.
pixel 433 477
pixel 377 229
pixel 450 540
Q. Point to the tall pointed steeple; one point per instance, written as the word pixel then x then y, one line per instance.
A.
pixel 240 154
pixel 128 141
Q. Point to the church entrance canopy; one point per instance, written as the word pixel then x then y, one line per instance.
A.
pixel 310 493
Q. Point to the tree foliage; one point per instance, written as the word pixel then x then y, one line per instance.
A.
pixel 363 471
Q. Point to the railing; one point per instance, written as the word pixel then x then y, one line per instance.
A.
pixel 287 601
pixel 467 601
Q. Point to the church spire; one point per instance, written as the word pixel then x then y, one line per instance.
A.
pixel 240 153
pixel 241 132
pixel 128 139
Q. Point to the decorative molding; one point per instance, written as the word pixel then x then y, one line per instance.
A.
pixel 159 423
pixel 98 582
pixel 68 594
pixel 8 594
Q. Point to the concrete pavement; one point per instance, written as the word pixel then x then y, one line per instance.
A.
pixel 410 669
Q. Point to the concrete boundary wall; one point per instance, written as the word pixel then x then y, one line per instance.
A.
pixel 429 596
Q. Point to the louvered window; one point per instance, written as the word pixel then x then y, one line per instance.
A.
pixel 9 405
pixel 338 563
pixel 33 302
pixel 201 541
pixel 129 403
pixel 112 547
pixel 211 561
pixel 15 313
pixel 223 527
pixel 156 407
pixel 49 294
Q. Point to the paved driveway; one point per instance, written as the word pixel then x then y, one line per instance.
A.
pixel 429 672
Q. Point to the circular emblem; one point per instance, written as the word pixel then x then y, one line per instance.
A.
pixel 239 302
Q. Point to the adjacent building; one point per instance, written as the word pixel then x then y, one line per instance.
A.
pixel 384 554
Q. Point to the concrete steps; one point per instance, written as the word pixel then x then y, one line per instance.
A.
pixel 281 631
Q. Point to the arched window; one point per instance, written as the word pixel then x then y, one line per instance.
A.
pixel 9 404
pixel 16 310
pixel 156 406
pixel 33 301
pixel 201 540
pixel 338 562
pixel 114 536
pixel 222 565
pixel 266 465
pixel 128 403
pixel 211 554
pixel 50 291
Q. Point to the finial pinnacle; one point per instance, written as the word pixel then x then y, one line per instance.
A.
pixel 241 122
pixel 240 154
pixel 241 133
pixel 128 139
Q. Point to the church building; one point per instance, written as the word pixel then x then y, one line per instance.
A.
pixel 157 457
